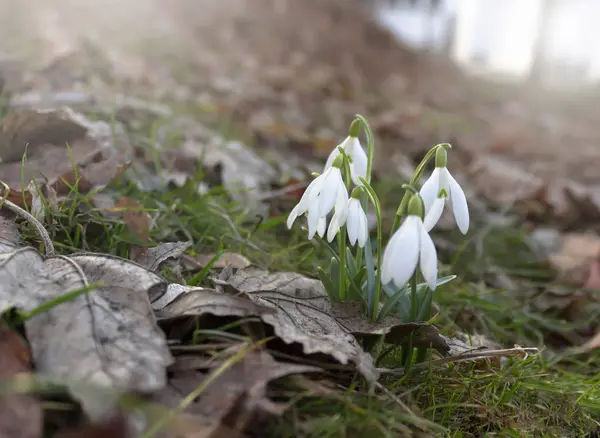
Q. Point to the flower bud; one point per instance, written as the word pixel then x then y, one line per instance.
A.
pixel 356 193
pixel 415 206
pixel 441 157
pixel 354 130
pixel 338 161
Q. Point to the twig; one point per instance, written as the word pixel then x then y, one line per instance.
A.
pixel 49 247
pixel 471 355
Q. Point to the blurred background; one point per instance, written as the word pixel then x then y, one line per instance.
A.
pixel 512 85
pixel 208 93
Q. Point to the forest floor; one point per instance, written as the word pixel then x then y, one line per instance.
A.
pixel 203 99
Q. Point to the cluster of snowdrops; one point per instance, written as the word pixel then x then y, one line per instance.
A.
pixel 362 270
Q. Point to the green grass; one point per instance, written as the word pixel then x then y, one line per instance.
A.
pixel 550 394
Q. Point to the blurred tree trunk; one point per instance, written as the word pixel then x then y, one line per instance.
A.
pixel 539 64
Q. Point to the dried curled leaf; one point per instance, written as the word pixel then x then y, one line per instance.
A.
pixel 63 148
pixel 236 395
pixel 154 257
pixel 199 261
pixel 300 316
pixel 106 337
pixel 20 414
pixel 9 235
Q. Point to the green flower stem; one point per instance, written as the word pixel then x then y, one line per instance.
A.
pixel 408 353
pixel 342 246
pixel 370 145
pixel 375 201
pixel 413 182
pixel 410 190
pixel 370 155
pixel 342 233
pixel 413 298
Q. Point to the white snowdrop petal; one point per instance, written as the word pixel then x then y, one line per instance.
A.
pixel 444 180
pixel 433 215
pixel 313 222
pixel 386 268
pixel 328 193
pixel 334 153
pixel 363 231
pixel 428 258
pixel 334 227
pixel 402 254
pixel 407 254
pixel 459 205
pixel 293 216
pixel 305 201
pixel 387 261
pixel 321 226
pixel 341 203
pixel 431 188
pixel 353 222
pixel 359 161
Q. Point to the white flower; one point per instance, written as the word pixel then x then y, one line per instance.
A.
pixel 356 224
pixel 323 193
pixel 321 226
pixel 409 245
pixel 358 165
pixel 434 200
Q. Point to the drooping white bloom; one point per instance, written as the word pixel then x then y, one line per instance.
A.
pixel 323 194
pixel 409 245
pixel 357 225
pixel 358 157
pixel 322 226
pixel 440 188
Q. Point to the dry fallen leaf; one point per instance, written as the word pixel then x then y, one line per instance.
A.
pixel 241 170
pixel 9 235
pixel 292 320
pixel 96 154
pixel 115 427
pixel 235 395
pixel 350 315
pixel 154 257
pixel 304 302
pixel 28 130
pixel 41 193
pixel 21 415
pixel 137 220
pixel 573 257
pixel 106 337
pixel 199 261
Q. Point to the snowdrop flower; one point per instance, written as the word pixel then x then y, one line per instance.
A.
pixel 356 222
pixel 321 226
pixel 323 194
pixel 408 247
pixel 358 157
pixel 440 188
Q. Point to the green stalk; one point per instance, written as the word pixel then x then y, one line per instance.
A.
pixel 413 298
pixel 375 201
pixel 413 181
pixel 370 145
pixel 408 354
pixel 342 247
pixel 370 156
pixel 342 234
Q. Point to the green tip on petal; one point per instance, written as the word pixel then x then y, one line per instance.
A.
pixel 354 130
pixel 338 161
pixel 415 206
pixel 356 193
pixel 441 157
